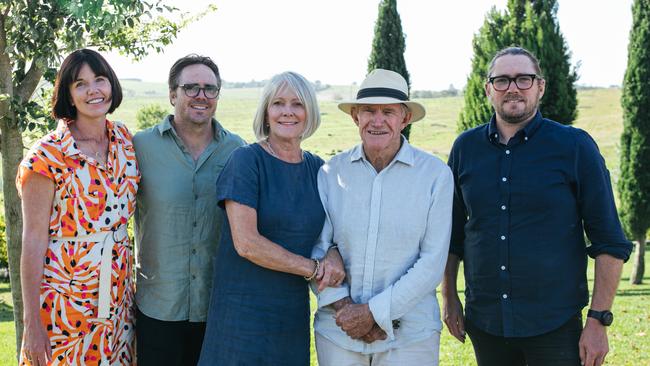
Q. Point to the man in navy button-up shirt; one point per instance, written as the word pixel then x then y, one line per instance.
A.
pixel 527 188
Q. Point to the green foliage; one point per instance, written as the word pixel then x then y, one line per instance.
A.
pixel 134 28
pixel 634 184
pixel 34 37
pixel 389 44
pixel 531 24
pixel 149 116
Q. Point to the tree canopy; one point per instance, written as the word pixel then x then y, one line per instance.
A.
pixel 34 37
pixel 531 24
pixel 389 44
pixel 634 183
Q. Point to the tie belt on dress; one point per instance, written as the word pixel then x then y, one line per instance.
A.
pixel 107 239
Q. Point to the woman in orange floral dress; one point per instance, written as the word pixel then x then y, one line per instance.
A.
pixel 78 186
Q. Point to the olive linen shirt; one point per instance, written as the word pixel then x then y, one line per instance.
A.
pixel 392 229
pixel 177 221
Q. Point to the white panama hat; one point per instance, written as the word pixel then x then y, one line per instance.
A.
pixel 384 87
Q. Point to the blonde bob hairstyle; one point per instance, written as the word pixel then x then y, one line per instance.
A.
pixel 305 92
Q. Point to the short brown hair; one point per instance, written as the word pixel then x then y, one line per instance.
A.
pixel 191 59
pixel 515 51
pixel 61 100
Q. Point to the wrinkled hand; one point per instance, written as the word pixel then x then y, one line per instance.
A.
pixel 452 315
pixel 332 272
pixel 375 334
pixel 356 320
pixel 593 343
pixel 36 344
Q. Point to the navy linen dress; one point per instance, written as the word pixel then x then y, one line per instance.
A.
pixel 258 316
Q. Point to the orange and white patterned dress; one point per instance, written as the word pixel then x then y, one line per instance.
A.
pixel 88 198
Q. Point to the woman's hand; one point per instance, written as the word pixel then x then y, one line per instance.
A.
pixel 332 271
pixel 36 344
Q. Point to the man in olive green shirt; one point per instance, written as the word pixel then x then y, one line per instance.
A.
pixel 177 220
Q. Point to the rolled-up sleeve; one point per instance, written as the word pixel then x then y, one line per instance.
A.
pixel 426 273
pixel 596 202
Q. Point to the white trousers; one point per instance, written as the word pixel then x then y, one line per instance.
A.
pixel 422 353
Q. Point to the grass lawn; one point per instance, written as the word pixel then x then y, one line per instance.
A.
pixel 599 113
pixel 629 336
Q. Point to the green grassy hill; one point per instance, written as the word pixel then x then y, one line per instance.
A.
pixel 599 114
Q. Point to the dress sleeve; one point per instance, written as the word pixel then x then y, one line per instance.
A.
pixel 239 179
pixel 43 158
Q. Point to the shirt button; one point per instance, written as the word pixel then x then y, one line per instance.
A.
pixel 193 277
pixel 503 207
pixel 507 152
pixel 194 224
pixel 503 237
pixel 526 138
pixel 505 296
pixel 504 179
pixel 193 251
pixel 503 268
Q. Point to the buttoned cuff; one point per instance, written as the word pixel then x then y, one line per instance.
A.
pixel 380 309
pixel 330 295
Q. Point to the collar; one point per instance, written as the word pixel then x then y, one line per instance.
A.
pixel 404 155
pixel 166 125
pixel 528 131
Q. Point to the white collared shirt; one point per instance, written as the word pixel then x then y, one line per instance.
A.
pixel 392 229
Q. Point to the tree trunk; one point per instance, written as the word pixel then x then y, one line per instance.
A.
pixel 12 154
pixel 638 266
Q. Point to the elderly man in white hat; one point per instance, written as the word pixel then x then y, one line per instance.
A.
pixel 388 208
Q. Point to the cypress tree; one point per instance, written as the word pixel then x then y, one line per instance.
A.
pixel 531 24
pixel 634 183
pixel 486 43
pixel 389 44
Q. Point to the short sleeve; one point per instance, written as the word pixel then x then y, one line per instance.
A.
pixel 43 158
pixel 239 179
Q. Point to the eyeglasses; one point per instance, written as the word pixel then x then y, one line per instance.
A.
pixel 523 81
pixel 193 90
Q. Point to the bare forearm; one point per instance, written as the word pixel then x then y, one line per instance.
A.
pixel 448 287
pixel 31 274
pixel 252 245
pixel 607 275
pixel 268 254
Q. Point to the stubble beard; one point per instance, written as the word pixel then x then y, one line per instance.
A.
pixel 517 117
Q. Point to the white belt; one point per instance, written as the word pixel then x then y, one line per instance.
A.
pixel 107 239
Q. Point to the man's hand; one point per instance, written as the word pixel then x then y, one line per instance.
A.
pixel 452 315
pixel 331 272
pixel 593 343
pixel 356 320
pixel 340 304
pixel 375 334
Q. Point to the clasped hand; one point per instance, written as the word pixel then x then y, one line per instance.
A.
pixel 357 322
pixel 331 272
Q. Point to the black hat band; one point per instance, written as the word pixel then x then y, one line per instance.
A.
pixel 381 92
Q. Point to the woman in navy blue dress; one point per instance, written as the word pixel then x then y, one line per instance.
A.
pixel 259 307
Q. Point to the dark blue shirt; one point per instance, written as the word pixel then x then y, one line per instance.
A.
pixel 520 213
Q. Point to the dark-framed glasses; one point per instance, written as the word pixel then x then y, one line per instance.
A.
pixel 193 90
pixel 522 81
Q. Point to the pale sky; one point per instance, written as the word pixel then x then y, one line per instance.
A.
pixel 330 40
